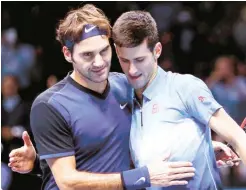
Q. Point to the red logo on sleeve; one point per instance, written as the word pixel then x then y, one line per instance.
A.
pixel 201 98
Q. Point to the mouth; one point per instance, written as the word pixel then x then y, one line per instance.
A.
pixel 98 71
pixel 134 77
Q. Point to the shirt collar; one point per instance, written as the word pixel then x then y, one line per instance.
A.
pixel 103 95
pixel 154 87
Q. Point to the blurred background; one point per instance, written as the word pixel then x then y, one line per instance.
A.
pixel 206 39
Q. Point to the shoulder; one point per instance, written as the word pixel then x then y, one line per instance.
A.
pixel 120 78
pixel 187 82
pixel 45 96
pixel 120 87
pixel 186 79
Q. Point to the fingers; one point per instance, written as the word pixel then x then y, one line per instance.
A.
pixel 15 152
pixel 220 163
pixel 234 155
pixel 237 163
pixel 178 183
pixel 179 164
pixel 14 164
pixel 229 163
pixel 14 161
pixel 182 176
pixel 226 150
pixel 26 139
pixel 182 170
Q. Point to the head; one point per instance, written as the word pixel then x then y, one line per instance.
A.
pixel 226 66
pixel 52 80
pixel 10 86
pixel 137 46
pixel 84 35
pixel 10 37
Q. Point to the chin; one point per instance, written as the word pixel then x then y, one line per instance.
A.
pixel 137 86
pixel 100 79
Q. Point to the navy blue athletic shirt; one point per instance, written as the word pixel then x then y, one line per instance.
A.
pixel 69 119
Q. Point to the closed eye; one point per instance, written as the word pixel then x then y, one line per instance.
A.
pixel 139 60
pixel 124 60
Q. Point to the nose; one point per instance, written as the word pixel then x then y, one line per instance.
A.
pixel 133 70
pixel 98 61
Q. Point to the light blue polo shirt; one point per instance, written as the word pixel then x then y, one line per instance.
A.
pixel 175 114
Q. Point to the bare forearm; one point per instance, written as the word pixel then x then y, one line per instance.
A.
pixel 229 130
pixel 92 181
pixel 240 146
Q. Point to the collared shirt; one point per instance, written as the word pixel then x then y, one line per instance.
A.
pixel 173 122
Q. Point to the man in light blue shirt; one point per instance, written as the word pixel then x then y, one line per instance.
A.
pixel 172 113
pixel 172 126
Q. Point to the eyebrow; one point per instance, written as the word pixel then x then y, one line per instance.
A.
pixel 142 57
pixel 90 51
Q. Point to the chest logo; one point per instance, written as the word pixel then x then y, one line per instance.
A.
pixel 123 106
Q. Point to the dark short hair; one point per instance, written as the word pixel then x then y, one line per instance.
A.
pixel 133 27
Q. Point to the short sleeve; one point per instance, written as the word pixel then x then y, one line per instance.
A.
pixel 121 88
pixel 52 135
pixel 199 100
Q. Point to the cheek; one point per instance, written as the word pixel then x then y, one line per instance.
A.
pixel 108 58
pixel 147 67
pixel 124 67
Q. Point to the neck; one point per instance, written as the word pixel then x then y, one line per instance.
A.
pixel 139 92
pixel 97 87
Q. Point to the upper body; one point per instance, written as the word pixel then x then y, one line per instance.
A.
pixel 176 111
pixel 68 119
pixel 15 111
pixel 171 108
pixel 17 59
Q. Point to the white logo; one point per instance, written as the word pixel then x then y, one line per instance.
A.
pixel 123 106
pixel 140 181
pixel 87 30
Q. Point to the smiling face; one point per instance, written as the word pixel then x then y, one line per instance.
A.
pixel 91 58
pixel 84 35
